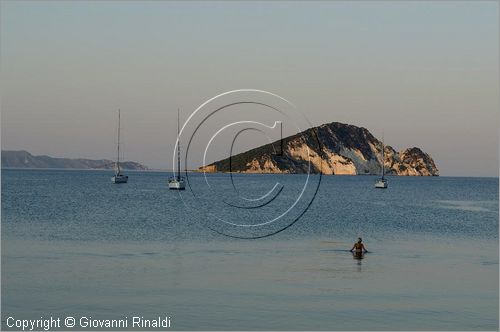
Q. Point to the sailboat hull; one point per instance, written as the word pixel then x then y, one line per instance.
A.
pixel 381 184
pixel 119 178
pixel 175 184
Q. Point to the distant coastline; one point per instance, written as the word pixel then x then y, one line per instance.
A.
pixel 24 160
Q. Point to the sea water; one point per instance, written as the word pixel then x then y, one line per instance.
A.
pixel 76 245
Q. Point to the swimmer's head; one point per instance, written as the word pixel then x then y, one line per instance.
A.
pixel 360 239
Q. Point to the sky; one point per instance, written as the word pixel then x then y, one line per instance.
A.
pixel 422 73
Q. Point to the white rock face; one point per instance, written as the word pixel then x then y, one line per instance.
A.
pixel 268 167
pixel 333 148
pixel 304 153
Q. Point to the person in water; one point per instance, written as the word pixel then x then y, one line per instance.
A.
pixel 359 247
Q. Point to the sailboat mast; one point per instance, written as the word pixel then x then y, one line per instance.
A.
pixel 178 148
pixel 383 157
pixel 281 138
pixel 118 156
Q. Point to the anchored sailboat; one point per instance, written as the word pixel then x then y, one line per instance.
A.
pixel 177 182
pixel 119 177
pixel 382 182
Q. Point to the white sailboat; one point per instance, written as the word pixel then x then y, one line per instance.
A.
pixel 382 182
pixel 119 177
pixel 177 182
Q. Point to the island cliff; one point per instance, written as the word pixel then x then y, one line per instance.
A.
pixel 342 149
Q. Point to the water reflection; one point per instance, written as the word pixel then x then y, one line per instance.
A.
pixel 358 255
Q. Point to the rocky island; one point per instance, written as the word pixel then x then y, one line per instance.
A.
pixel 333 148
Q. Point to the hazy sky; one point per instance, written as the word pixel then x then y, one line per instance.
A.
pixel 424 73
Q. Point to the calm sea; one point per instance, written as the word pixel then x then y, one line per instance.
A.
pixel 73 244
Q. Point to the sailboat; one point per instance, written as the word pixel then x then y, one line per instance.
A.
pixel 177 182
pixel 382 182
pixel 119 177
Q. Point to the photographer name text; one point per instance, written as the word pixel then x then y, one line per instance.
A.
pixel 49 323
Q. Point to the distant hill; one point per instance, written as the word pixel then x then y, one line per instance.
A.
pixel 24 159
pixel 343 149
